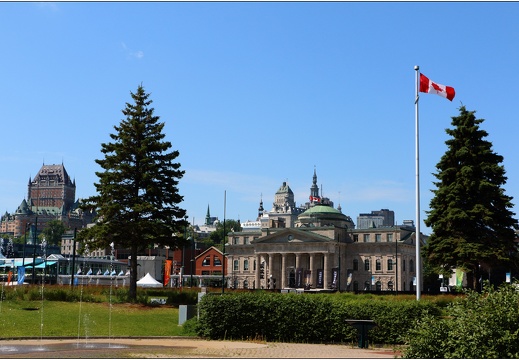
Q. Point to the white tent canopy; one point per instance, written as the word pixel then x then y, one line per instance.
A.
pixel 148 281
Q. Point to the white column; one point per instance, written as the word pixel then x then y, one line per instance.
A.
pixel 312 269
pixel 257 274
pixel 326 270
pixel 271 260
pixel 283 271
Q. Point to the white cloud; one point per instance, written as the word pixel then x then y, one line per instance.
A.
pixel 139 54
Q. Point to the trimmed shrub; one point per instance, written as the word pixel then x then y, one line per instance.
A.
pixel 312 318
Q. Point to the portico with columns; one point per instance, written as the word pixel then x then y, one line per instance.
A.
pixel 295 258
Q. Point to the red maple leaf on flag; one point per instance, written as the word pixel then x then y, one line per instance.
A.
pixel 436 87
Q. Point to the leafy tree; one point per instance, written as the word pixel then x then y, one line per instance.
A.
pixel 137 201
pixel 218 234
pixel 470 215
pixel 477 326
pixel 53 231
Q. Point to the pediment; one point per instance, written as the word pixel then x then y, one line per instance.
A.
pixel 291 236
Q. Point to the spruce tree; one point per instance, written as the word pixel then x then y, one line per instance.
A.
pixel 470 217
pixel 137 200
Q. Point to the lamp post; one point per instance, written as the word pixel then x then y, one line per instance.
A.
pixel 192 260
pixel 73 258
pixel 223 248
pixel 339 277
pixel 34 249
pixel 25 243
pixel 396 265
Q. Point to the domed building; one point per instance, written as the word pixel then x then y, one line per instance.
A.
pixel 316 247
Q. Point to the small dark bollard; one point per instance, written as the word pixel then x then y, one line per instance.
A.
pixel 362 326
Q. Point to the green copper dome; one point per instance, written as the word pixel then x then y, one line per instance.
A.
pixel 321 209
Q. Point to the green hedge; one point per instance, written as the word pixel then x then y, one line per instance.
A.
pixel 96 293
pixel 311 318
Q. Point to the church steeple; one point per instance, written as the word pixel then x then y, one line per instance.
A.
pixel 314 190
pixel 208 216
pixel 260 209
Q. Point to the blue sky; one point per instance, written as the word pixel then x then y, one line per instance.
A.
pixel 257 93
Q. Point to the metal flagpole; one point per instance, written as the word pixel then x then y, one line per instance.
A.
pixel 417 158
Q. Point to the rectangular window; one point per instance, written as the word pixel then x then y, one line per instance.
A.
pixel 378 237
pixel 366 265
pixel 236 265
pixel 246 240
pixel 246 265
pixel 236 240
pixel 366 237
pixel 403 265
pixel 355 265
pixel 378 265
pixel 389 264
pixel 389 237
pixel 356 238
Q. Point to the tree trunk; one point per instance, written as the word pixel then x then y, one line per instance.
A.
pixel 471 280
pixel 132 294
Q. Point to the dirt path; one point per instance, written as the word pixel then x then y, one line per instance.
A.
pixel 179 348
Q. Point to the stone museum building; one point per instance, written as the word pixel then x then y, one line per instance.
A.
pixel 317 247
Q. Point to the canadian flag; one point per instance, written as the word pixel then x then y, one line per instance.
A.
pixel 428 86
pixel 315 198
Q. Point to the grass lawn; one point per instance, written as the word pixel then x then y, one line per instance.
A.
pixel 20 318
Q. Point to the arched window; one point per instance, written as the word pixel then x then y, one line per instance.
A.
pixel 355 286
pixel 378 285
pixel 355 264
pixel 207 261
pixel 390 286
pixel 217 261
pixel 245 284
pixel 367 286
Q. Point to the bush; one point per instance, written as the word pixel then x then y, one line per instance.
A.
pixel 312 318
pixel 482 325
pixel 190 327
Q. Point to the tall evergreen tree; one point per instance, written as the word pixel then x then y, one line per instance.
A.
pixel 137 201
pixel 472 224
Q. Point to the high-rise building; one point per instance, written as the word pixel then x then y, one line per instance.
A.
pixel 376 218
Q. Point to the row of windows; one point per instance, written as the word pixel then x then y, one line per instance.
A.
pixel 216 261
pixel 246 267
pixel 246 240
pixel 378 265
pixel 378 237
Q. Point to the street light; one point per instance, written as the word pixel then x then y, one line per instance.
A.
pixel 25 243
pixel 34 249
pixel 223 249
pixel 192 260
pixel 396 264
